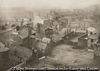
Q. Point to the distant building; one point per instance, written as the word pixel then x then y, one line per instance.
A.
pixel 4 57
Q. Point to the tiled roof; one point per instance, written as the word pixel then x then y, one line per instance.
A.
pixel 21 51
pixel 41 45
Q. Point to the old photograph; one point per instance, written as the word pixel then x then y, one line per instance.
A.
pixel 49 34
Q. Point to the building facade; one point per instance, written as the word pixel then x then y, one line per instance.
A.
pixel 4 57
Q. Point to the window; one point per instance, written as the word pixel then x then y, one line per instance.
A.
pixel 91 40
pixel 95 33
pixel 91 33
pixel 34 34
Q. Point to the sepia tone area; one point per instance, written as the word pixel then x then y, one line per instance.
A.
pixel 49 33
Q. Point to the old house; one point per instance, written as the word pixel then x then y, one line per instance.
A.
pixel 63 32
pixel 41 47
pixel 42 27
pixel 32 42
pixel 72 38
pixel 56 26
pixel 28 38
pixel 92 36
pixel 23 34
pixel 55 39
pixel 4 57
pixel 24 21
pixel 82 41
pixel 18 54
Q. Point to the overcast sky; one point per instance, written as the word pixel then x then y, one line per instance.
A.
pixel 48 3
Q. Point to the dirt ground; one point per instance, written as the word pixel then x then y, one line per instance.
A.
pixel 74 57
pixel 66 56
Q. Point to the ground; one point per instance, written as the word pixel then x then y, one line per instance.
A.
pixel 74 57
pixel 66 56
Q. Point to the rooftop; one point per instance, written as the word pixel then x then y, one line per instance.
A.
pixel 63 32
pixel 21 51
pixel 91 29
pixel 23 33
pixel 93 36
pixel 84 36
pixel 3 48
pixel 41 45
pixel 56 37
pixel 46 40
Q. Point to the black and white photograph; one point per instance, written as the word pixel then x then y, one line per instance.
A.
pixel 49 34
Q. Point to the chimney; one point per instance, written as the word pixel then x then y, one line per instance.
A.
pixel 38 27
pixel 15 52
pixel 29 33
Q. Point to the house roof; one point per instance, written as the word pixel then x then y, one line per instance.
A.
pixel 32 36
pixel 21 51
pixel 56 37
pixel 55 23
pixel 41 45
pixel 1 44
pixel 63 32
pixel 91 29
pixel 93 36
pixel 3 48
pixel 87 20
pixel 33 31
pixel 23 33
pixel 46 40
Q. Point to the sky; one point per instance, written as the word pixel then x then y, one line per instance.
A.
pixel 69 4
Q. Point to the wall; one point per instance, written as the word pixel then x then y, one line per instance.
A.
pixel 90 44
pixel 82 42
pixel 4 59
pixel 97 51
pixel 25 42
